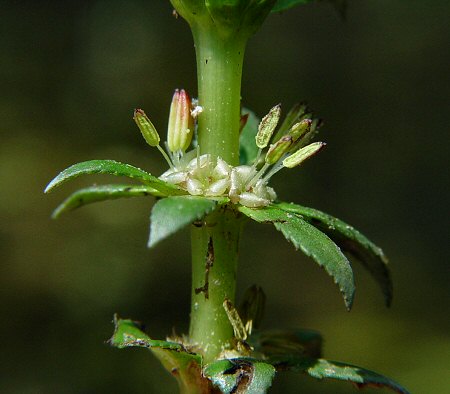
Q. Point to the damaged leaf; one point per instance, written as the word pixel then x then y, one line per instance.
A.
pixel 240 375
pixel 183 365
pixel 361 377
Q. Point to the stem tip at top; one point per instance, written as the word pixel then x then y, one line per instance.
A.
pixel 228 17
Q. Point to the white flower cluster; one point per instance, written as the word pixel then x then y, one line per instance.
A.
pixel 204 176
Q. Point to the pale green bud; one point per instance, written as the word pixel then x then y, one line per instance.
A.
pixel 277 150
pixel 303 154
pixel 181 122
pixel 291 118
pixel 146 127
pixel 300 129
pixel 267 127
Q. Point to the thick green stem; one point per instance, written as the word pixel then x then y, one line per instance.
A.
pixel 215 243
pixel 219 70
pixel 214 263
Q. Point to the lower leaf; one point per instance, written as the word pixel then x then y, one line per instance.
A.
pixel 183 365
pixel 361 377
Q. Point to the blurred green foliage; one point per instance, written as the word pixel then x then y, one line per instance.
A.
pixel 71 74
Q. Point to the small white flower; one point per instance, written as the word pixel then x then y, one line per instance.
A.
pixel 204 175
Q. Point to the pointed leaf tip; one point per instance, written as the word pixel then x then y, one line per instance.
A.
pixel 350 241
pixel 321 369
pixel 312 242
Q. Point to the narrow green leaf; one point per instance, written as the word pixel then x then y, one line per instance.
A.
pixel 173 213
pixel 313 242
pixel 286 344
pixel 248 151
pixel 128 333
pixel 321 369
pixel 351 241
pixel 111 167
pixel 361 377
pixel 101 193
pixel 240 375
pixel 283 5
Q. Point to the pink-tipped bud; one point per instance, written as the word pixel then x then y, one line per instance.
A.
pixel 181 122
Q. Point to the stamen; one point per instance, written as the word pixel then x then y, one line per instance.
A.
pixel 166 157
pixel 258 175
pixel 273 171
pixel 198 156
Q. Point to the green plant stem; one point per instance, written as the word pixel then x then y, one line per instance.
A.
pixel 215 243
pixel 219 70
pixel 214 262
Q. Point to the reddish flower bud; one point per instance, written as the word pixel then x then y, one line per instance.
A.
pixel 181 122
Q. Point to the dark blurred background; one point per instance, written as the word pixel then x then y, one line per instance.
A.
pixel 71 73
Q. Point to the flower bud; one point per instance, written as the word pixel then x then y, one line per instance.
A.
pixel 292 117
pixel 146 127
pixel 277 150
pixel 267 127
pixel 303 154
pixel 181 123
pixel 300 129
